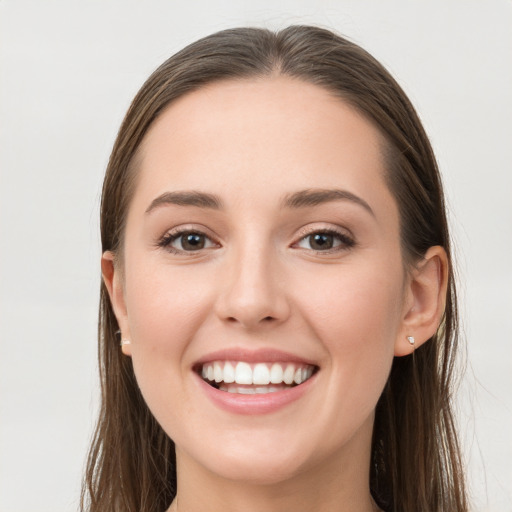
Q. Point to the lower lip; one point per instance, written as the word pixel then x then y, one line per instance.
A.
pixel 263 403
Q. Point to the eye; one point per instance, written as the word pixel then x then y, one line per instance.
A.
pixel 186 241
pixel 325 240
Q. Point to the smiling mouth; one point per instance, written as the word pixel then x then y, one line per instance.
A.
pixel 254 378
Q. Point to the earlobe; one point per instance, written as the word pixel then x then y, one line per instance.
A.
pixel 425 301
pixel 112 278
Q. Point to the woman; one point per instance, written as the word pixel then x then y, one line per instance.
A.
pixel 278 320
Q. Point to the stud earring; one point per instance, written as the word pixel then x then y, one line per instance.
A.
pixel 411 340
pixel 124 342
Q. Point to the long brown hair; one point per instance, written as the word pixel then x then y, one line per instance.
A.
pixel 416 463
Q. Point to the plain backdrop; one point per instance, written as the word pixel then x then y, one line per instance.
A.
pixel 68 70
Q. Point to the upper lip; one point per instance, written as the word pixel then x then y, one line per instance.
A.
pixel 263 355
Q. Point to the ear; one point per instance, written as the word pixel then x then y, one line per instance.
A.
pixel 112 277
pixel 425 300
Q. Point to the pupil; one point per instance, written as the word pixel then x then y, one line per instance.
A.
pixel 321 241
pixel 193 241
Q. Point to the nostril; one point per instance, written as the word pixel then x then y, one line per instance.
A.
pixel 265 319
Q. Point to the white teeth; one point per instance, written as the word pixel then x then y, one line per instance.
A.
pixel 246 391
pixel 288 374
pixel 276 374
pixel 261 374
pixel 250 391
pixel 218 374
pixel 229 373
pixel 243 373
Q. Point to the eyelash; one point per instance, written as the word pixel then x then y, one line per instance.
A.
pixel 346 242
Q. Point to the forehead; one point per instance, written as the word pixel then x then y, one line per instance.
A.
pixel 261 136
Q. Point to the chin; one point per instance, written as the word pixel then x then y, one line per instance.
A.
pixel 258 472
pixel 267 462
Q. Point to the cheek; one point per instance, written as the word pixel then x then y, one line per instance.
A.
pixel 356 315
pixel 164 304
pixel 357 306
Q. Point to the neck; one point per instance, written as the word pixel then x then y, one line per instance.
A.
pixel 338 483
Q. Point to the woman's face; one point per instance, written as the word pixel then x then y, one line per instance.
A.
pixel 262 245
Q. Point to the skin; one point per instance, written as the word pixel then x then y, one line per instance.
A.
pixel 259 283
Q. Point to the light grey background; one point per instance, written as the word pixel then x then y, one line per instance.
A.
pixel 68 71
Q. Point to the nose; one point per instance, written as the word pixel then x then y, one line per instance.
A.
pixel 253 292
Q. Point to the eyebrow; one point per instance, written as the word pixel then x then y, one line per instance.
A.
pixel 314 197
pixel 301 199
pixel 186 198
